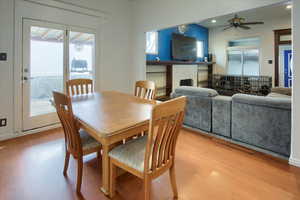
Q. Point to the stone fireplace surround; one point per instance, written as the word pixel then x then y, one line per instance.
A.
pixel 183 72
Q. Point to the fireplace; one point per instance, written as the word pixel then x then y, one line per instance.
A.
pixel 184 75
pixel 186 82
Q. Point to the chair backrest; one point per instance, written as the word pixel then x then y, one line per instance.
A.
pixel 145 90
pixel 165 124
pixel 79 86
pixel 65 113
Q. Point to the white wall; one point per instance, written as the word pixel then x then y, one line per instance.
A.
pixel 218 41
pixel 295 149
pixel 6 67
pixel 115 51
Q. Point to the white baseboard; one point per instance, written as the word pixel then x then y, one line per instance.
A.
pixel 294 162
pixel 7 136
pixel 15 135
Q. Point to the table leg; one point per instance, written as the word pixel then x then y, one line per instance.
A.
pixel 105 169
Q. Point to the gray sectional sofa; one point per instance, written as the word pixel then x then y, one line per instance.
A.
pixel 257 122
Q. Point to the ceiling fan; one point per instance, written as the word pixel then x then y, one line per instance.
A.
pixel 239 22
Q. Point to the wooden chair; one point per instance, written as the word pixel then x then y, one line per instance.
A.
pixel 77 142
pixel 79 86
pixel 150 156
pixel 145 90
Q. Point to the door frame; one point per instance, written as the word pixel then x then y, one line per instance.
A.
pixel 81 19
pixel 277 42
pixel 39 121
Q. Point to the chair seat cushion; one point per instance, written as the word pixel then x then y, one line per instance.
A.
pixel 132 153
pixel 87 141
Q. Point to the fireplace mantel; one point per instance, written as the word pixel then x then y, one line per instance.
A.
pixel 169 73
pixel 174 62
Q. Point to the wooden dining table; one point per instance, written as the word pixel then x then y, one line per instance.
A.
pixel 110 117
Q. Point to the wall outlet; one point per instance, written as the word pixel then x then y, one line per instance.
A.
pixel 3 122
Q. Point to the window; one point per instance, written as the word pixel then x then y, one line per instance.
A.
pixel 243 62
pixel 200 49
pixel 243 57
pixel 152 42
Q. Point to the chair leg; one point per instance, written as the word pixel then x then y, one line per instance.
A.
pixel 173 181
pixel 147 188
pixel 79 174
pixel 113 173
pixel 67 158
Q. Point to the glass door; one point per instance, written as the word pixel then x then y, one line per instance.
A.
pixel 52 54
pixel 43 72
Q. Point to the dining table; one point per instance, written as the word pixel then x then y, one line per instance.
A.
pixel 110 117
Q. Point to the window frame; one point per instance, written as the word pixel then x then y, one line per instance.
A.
pixel 156 43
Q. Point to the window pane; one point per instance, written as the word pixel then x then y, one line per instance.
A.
pixel 244 42
pixel 200 49
pixel 82 47
pixel 235 63
pixel 46 68
pixel 152 42
pixel 251 62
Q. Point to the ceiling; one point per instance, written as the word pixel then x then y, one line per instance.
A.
pixel 258 14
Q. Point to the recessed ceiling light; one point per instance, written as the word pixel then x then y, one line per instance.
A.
pixel 290 6
pixel 213 21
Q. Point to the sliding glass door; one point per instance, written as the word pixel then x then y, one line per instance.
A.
pixel 47 50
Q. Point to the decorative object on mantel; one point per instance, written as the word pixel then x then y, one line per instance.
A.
pixel 183 28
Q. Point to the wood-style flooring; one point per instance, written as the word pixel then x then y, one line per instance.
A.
pixel 31 169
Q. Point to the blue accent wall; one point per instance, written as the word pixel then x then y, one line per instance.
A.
pixel 165 37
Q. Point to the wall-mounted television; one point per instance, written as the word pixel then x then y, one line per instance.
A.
pixel 184 48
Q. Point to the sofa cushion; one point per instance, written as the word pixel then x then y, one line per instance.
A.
pixel 262 126
pixel 196 91
pixel 271 102
pixel 221 115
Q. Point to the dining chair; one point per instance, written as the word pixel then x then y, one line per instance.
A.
pixel 145 90
pixel 79 86
pixel 150 156
pixel 77 141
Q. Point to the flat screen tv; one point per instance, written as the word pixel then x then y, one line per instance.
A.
pixel 184 48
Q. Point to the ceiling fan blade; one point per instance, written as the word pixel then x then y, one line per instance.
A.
pixel 252 23
pixel 224 25
pixel 244 27
pixel 228 27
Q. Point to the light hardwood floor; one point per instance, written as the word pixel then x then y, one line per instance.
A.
pixel 31 168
